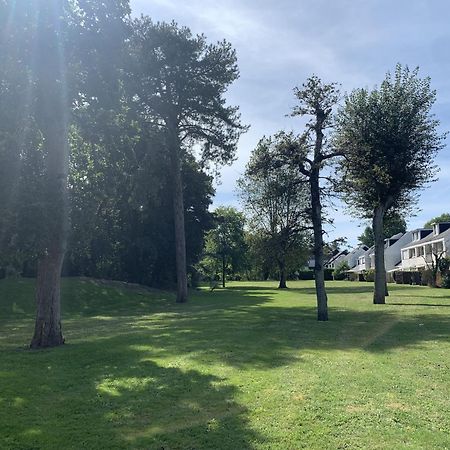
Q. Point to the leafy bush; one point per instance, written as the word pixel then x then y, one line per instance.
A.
pixel 427 278
pixel 444 266
pixel 328 274
pixel 341 270
pixel 306 275
pixel 446 282
pixel 369 275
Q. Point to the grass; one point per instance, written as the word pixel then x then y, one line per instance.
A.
pixel 243 368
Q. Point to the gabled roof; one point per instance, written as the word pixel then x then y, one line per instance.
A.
pixel 338 255
pixel 429 238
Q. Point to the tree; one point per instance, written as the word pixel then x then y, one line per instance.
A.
pixel 316 100
pixel 225 246
pixel 445 217
pixel 389 138
pixel 178 82
pixel 275 201
pixel 393 224
pixel 41 40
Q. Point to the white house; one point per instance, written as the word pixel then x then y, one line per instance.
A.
pixel 364 261
pixel 425 245
pixel 336 259
pixel 350 257
pixel 392 253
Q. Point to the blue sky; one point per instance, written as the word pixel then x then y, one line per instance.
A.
pixel 280 43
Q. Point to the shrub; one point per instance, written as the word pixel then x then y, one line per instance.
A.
pixel 446 282
pixel 369 275
pixel 340 272
pixel 328 274
pixel 427 278
pixel 306 275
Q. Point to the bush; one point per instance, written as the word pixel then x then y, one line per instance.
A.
pixel 446 282
pixel 444 266
pixel 369 275
pixel 427 278
pixel 340 272
pixel 306 275
pixel 328 274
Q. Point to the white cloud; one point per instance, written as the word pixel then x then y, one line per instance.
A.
pixel 279 44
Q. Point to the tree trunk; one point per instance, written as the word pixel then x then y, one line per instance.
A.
pixel 178 214
pixel 282 267
pixel 380 271
pixel 52 116
pixel 223 271
pixel 47 330
pixel 316 217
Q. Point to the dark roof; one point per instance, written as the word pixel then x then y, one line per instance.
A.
pixel 429 238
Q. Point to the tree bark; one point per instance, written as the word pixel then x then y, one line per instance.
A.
pixel 380 271
pixel 282 267
pixel 223 271
pixel 47 329
pixel 178 214
pixel 316 217
pixel 52 116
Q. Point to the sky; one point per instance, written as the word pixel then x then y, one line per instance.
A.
pixel 279 44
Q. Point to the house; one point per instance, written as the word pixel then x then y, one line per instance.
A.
pixel 364 261
pixel 350 257
pixel 426 244
pixel 336 259
pixel 392 253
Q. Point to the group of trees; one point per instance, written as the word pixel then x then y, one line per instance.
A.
pixel 108 126
pixel 376 151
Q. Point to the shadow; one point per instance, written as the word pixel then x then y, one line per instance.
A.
pixel 103 397
pixel 435 305
pixel 127 380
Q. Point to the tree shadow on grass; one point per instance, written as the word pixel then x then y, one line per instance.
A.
pixel 108 397
pixel 127 381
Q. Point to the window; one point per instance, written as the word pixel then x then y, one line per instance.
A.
pixel 420 251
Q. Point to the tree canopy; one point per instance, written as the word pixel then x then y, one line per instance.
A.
pixel 444 217
pixel 389 137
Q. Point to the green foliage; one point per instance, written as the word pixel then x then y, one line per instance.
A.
pixel 445 217
pixel 177 81
pixel 225 245
pixel 446 281
pixel 305 275
pixel 389 137
pixel 392 225
pixel 275 201
pixel 369 275
pixel 341 270
pixel 444 265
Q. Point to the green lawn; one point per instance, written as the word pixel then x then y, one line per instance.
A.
pixel 245 367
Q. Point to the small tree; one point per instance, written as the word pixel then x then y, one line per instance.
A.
pixel 225 246
pixel 275 200
pixel 317 101
pixel 389 138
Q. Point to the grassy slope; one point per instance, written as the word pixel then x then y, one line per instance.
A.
pixel 246 367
